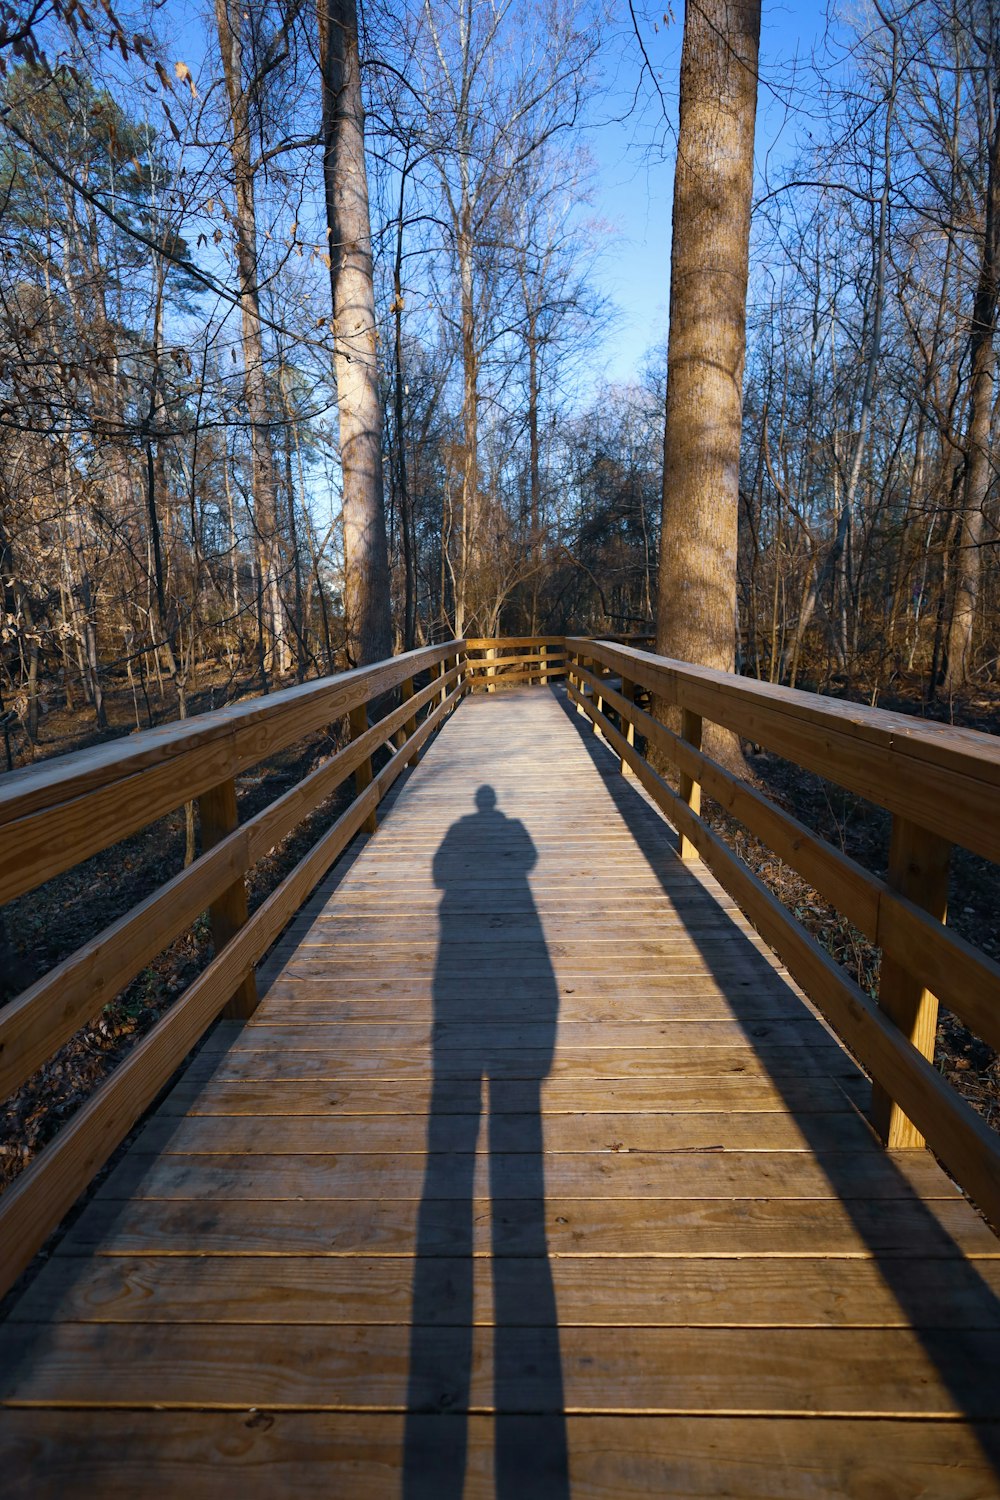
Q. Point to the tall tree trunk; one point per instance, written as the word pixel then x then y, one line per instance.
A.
pixel 467 522
pixel 402 481
pixel 228 17
pixel 534 469
pixel 978 467
pixel 367 602
pixel 696 618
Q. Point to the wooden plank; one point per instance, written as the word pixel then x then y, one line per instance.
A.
pixel 888 1228
pixel 962 976
pixel 59 813
pixel 201 1093
pixel 407 1134
pixel 34 1025
pixel 642 1292
pixel 703 1175
pixel 41 1019
pixel 513 642
pixel 810 1372
pixel 493 663
pixel 513 678
pixel 363 770
pixel 372 1039
pixel 39 1198
pixel 918 866
pixel 720 1205
pixel 961 1137
pixel 699 999
pixel 945 781
pixel 119 1455
pixel 654 1062
pixel 688 788
pixel 218 817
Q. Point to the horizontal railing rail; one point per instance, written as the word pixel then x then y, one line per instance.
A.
pixel 56 815
pixel 942 787
pixel 509 660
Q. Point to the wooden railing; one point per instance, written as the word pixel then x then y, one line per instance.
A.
pixel 507 661
pixel 57 814
pixel 942 787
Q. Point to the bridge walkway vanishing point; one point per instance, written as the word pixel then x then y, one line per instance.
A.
pixel 533 1170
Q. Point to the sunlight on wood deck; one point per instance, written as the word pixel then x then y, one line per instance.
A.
pixel 531 1170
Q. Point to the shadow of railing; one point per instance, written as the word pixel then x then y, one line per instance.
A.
pixel 967 1364
pixel 477 1071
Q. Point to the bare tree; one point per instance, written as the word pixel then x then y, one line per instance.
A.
pixel 978 462
pixel 229 22
pixel 345 180
pixel 696 617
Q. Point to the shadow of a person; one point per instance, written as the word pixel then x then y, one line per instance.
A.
pixel 506 1040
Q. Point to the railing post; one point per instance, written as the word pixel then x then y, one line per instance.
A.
pixel 628 728
pixel 690 790
pixel 218 815
pixel 598 670
pixel 405 694
pixel 918 869
pixel 581 686
pixel 543 666
pixel 363 774
pixel 491 670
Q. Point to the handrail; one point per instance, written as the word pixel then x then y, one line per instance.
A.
pixel 942 787
pixel 534 658
pixel 53 816
pixel 58 813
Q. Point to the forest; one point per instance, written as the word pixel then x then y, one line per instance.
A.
pixel 177 522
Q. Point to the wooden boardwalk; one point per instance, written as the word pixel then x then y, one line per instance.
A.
pixel 532 1170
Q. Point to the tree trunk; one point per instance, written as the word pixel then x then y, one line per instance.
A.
pixel 468 520
pixel 978 468
pixel 366 554
pixel 696 618
pixel 405 506
pixel 228 16
pixel 534 470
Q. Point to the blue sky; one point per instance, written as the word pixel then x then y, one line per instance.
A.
pixel 632 142
pixel 634 160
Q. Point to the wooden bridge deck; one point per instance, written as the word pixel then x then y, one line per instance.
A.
pixel 532 1166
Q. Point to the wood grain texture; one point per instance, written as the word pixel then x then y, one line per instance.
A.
pixel 517 1094
pixel 57 814
pixel 257 1455
pixel 961 975
pixel 960 1136
pixel 36 1202
pixel 936 775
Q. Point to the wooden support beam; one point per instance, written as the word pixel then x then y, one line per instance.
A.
pixel 628 727
pixel 581 685
pixel 409 729
pixel 363 774
pixel 690 790
pixel 218 815
pixel 918 869
pixel 405 694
